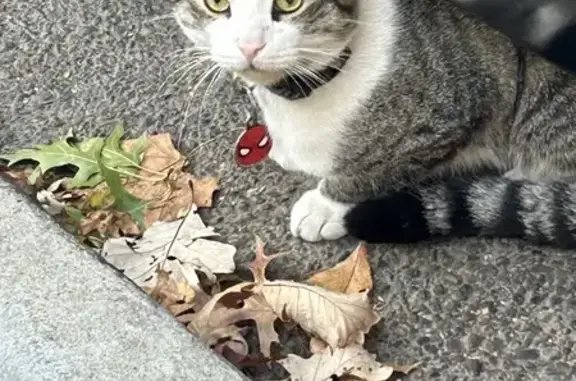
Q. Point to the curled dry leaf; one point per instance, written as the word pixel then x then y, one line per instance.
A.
pixel 338 319
pixel 352 361
pixel 178 247
pixel 48 199
pixel 241 304
pixel 230 343
pixel 170 293
pixel 350 276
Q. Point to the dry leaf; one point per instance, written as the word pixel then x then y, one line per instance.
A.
pixel 338 319
pixel 352 275
pixel 317 345
pixel 352 361
pixel 217 315
pixel 48 199
pixel 405 369
pixel 108 223
pixel 203 190
pixel 170 189
pixel 231 345
pixel 169 292
pixel 178 247
pixel 261 262
pixel 162 183
pixel 18 176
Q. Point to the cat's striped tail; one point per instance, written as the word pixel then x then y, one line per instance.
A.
pixel 543 213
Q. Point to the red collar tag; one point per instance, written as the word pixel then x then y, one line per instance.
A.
pixel 253 146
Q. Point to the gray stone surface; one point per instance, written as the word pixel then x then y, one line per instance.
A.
pixel 65 316
pixel 467 309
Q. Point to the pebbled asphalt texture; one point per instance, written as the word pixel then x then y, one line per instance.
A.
pixel 466 309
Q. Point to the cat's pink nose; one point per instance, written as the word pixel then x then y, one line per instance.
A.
pixel 250 51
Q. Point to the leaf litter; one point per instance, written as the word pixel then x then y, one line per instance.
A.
pixel 136 201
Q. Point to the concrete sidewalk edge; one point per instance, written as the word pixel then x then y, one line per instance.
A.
pixel 65 315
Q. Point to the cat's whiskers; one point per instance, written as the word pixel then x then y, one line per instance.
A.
pixel 306 75
pixel 185 70
pixel 167 16
pixel 188 53
pixel 204 76
pixel 213 85
pixel 291 75
pixel 330 56
pixel 194 56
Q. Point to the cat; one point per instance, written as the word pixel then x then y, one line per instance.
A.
pixel 418 120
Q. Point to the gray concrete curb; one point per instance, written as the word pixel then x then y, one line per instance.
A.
pixel 66 316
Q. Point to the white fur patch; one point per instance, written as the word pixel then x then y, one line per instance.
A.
pixel 315 217
pixel 307 132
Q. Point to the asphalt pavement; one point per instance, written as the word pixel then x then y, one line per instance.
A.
pixel 466 309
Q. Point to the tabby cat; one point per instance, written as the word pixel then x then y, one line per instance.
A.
pixel 418 120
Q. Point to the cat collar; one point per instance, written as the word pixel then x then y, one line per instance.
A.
pixel 296 87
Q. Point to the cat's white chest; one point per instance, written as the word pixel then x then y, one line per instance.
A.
pixel 305 137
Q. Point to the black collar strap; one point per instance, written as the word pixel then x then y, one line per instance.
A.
pixel 299 87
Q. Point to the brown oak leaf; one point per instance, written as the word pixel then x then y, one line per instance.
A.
pixel 350 276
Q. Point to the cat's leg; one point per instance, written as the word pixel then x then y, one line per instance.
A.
pixel 316 216
pixel 320 213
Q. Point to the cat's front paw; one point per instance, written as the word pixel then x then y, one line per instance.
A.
pixel 315 217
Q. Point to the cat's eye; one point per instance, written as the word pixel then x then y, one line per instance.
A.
pixel 288 6
pixel 217 6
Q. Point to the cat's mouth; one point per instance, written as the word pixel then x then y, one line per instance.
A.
pixel 262 76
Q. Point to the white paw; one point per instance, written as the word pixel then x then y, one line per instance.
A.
pixel 315 217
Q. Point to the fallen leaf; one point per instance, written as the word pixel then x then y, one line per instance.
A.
pixel 261 262
pixel 86 156
pixel 108 224
pixel 350 276
pixel 317 345
pixel 178 247
pixel 203 190
pixel 124 201
pixel 337 319
pixel 17 176
pixel 169 292
pixel 215 316
pixel 352 361
pixel 48 199
pixel 125 159
pixel 405 369
pixel 231 345
pixel 164 182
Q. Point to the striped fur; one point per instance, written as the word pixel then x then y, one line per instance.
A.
pixel 540 212
pixel 428 91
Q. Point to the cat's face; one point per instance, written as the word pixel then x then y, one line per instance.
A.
pixel 267 40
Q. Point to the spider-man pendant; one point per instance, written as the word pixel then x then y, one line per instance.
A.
pixel 253 146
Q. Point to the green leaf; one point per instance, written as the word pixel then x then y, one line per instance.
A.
pixel 74 213
pixel 84 156
pixel 123 200
pixel 114 157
